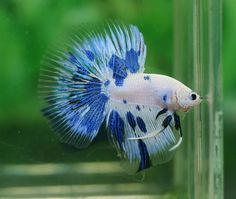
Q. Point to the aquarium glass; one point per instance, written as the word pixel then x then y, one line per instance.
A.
pixel 183 40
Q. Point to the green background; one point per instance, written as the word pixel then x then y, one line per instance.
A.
pixel 29 27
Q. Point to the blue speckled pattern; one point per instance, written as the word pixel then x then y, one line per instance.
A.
pixel 90 55
pixel 124 101
pixel 131 60
pixel 138 108
pixel 131 120
pixel 145 159
pixel 141 124
pixel 119 69
pixel 164 98
pixel 74 113
pixel 116 125
pixel 146 77
pixel 107 82
pixel 73 83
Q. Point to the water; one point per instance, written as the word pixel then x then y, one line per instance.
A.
pixel 42 167
pixel 32 161
pixel 198 62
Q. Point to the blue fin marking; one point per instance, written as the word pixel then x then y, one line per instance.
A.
pixel 93 118
pixel 107 82
pixel 177 122
pixel 120 66
pixel 167 121
pixel 141 124
pixel 72 58
pixel 138 53
pixel 76 116
pixel 138 107
pixel 119 70
pixel 145 159
pixel 116 124
pixel 90 55
pixel 131 60
pixel 131 120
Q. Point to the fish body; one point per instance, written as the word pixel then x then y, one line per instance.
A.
pixel 150 90
pixel 101 78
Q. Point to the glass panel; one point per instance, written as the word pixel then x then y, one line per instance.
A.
pixel 198 30
pixel 32 161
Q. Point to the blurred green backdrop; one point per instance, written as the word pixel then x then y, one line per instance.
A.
pixel 28 28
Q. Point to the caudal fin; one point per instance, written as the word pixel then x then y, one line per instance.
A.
pixel 74 82
pixel 71 86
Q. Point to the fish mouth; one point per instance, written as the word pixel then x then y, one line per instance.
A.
pixel 200 100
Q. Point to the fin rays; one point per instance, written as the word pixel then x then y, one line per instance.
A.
pixel 150 142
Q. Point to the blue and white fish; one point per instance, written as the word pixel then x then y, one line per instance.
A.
pixel 101 78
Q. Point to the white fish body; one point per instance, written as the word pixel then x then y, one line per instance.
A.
pixel 151 90
pixel 103 77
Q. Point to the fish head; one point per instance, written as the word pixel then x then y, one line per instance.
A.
pixel 186 98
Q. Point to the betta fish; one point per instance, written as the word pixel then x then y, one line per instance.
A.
pixel 100 78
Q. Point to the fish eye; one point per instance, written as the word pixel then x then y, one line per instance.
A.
pixel 193 96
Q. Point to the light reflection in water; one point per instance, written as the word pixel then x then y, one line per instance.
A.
pixel 90 180
pixel 79 190
pixel 54 169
